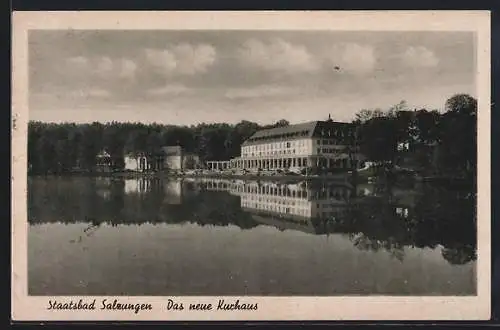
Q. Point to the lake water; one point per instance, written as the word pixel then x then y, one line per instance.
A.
pixel 103 236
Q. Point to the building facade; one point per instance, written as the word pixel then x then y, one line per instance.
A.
pixel 166 158
pixel 318 144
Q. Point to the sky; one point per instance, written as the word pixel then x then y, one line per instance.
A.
pixel 190 77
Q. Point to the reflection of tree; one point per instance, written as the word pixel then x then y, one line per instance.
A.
pixel 365 243
pixel 459 255
pixel 77 200
pixel 437 217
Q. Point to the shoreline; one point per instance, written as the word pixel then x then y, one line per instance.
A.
pixel 342 177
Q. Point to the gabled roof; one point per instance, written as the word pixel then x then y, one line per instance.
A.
pixel 162 151
pixel 307 127
pixel 297 131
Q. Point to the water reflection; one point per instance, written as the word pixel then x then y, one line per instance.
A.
pixel 372 218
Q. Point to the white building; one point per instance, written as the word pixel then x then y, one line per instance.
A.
pixel 166 158
pixel 317 144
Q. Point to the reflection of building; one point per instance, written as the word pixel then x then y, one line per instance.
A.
pixel 136 162
pixel 299 206
pixel 137 186
pixel 216 184
pixel 321 144
pixel 292 201
pixel 173 192
pixel 171 158
pixel 295 200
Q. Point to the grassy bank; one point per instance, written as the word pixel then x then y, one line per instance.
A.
pixel 340 177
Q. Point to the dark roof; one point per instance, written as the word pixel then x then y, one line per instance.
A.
pixel 298 131
pixel 162 151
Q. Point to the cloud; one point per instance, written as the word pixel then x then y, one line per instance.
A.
pixel 182 59
pixel 127 69
pixel 259 91
pixel 419 57
pixel 89 93
pixel 170 89
pixel 104 65
pixel 276 55
pixel 162 59
pixel 112 68
pixel 352 57
pixel 78 62
pixel 279 55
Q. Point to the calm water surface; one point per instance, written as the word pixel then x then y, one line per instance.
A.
pixel 97 236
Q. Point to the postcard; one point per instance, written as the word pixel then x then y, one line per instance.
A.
pixel 273 165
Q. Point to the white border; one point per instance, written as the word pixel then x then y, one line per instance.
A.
pixel 28 308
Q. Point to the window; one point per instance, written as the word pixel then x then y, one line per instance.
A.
pixel 319 150
pixel 288 144
pixel 319 141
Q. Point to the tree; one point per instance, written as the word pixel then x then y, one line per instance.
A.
pixel 282 123
pixel 364 115
pixel 462 104
pixel 458 135
pixel 427 125
pixel 379 139
pixel 459 255
pixel 189 162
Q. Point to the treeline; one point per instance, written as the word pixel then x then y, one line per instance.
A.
pixel 59 148
pixel 441 142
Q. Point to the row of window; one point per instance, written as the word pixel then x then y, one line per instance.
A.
pixel 339 133
pixel 330 151
pixel 283 148
pixel 290 210
pixel 277 192
pixel 272 208
pixel 275 152
pixel 338 193
pixel 286 145
pixel 274 146
pixel 278 200
pixel 331 142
